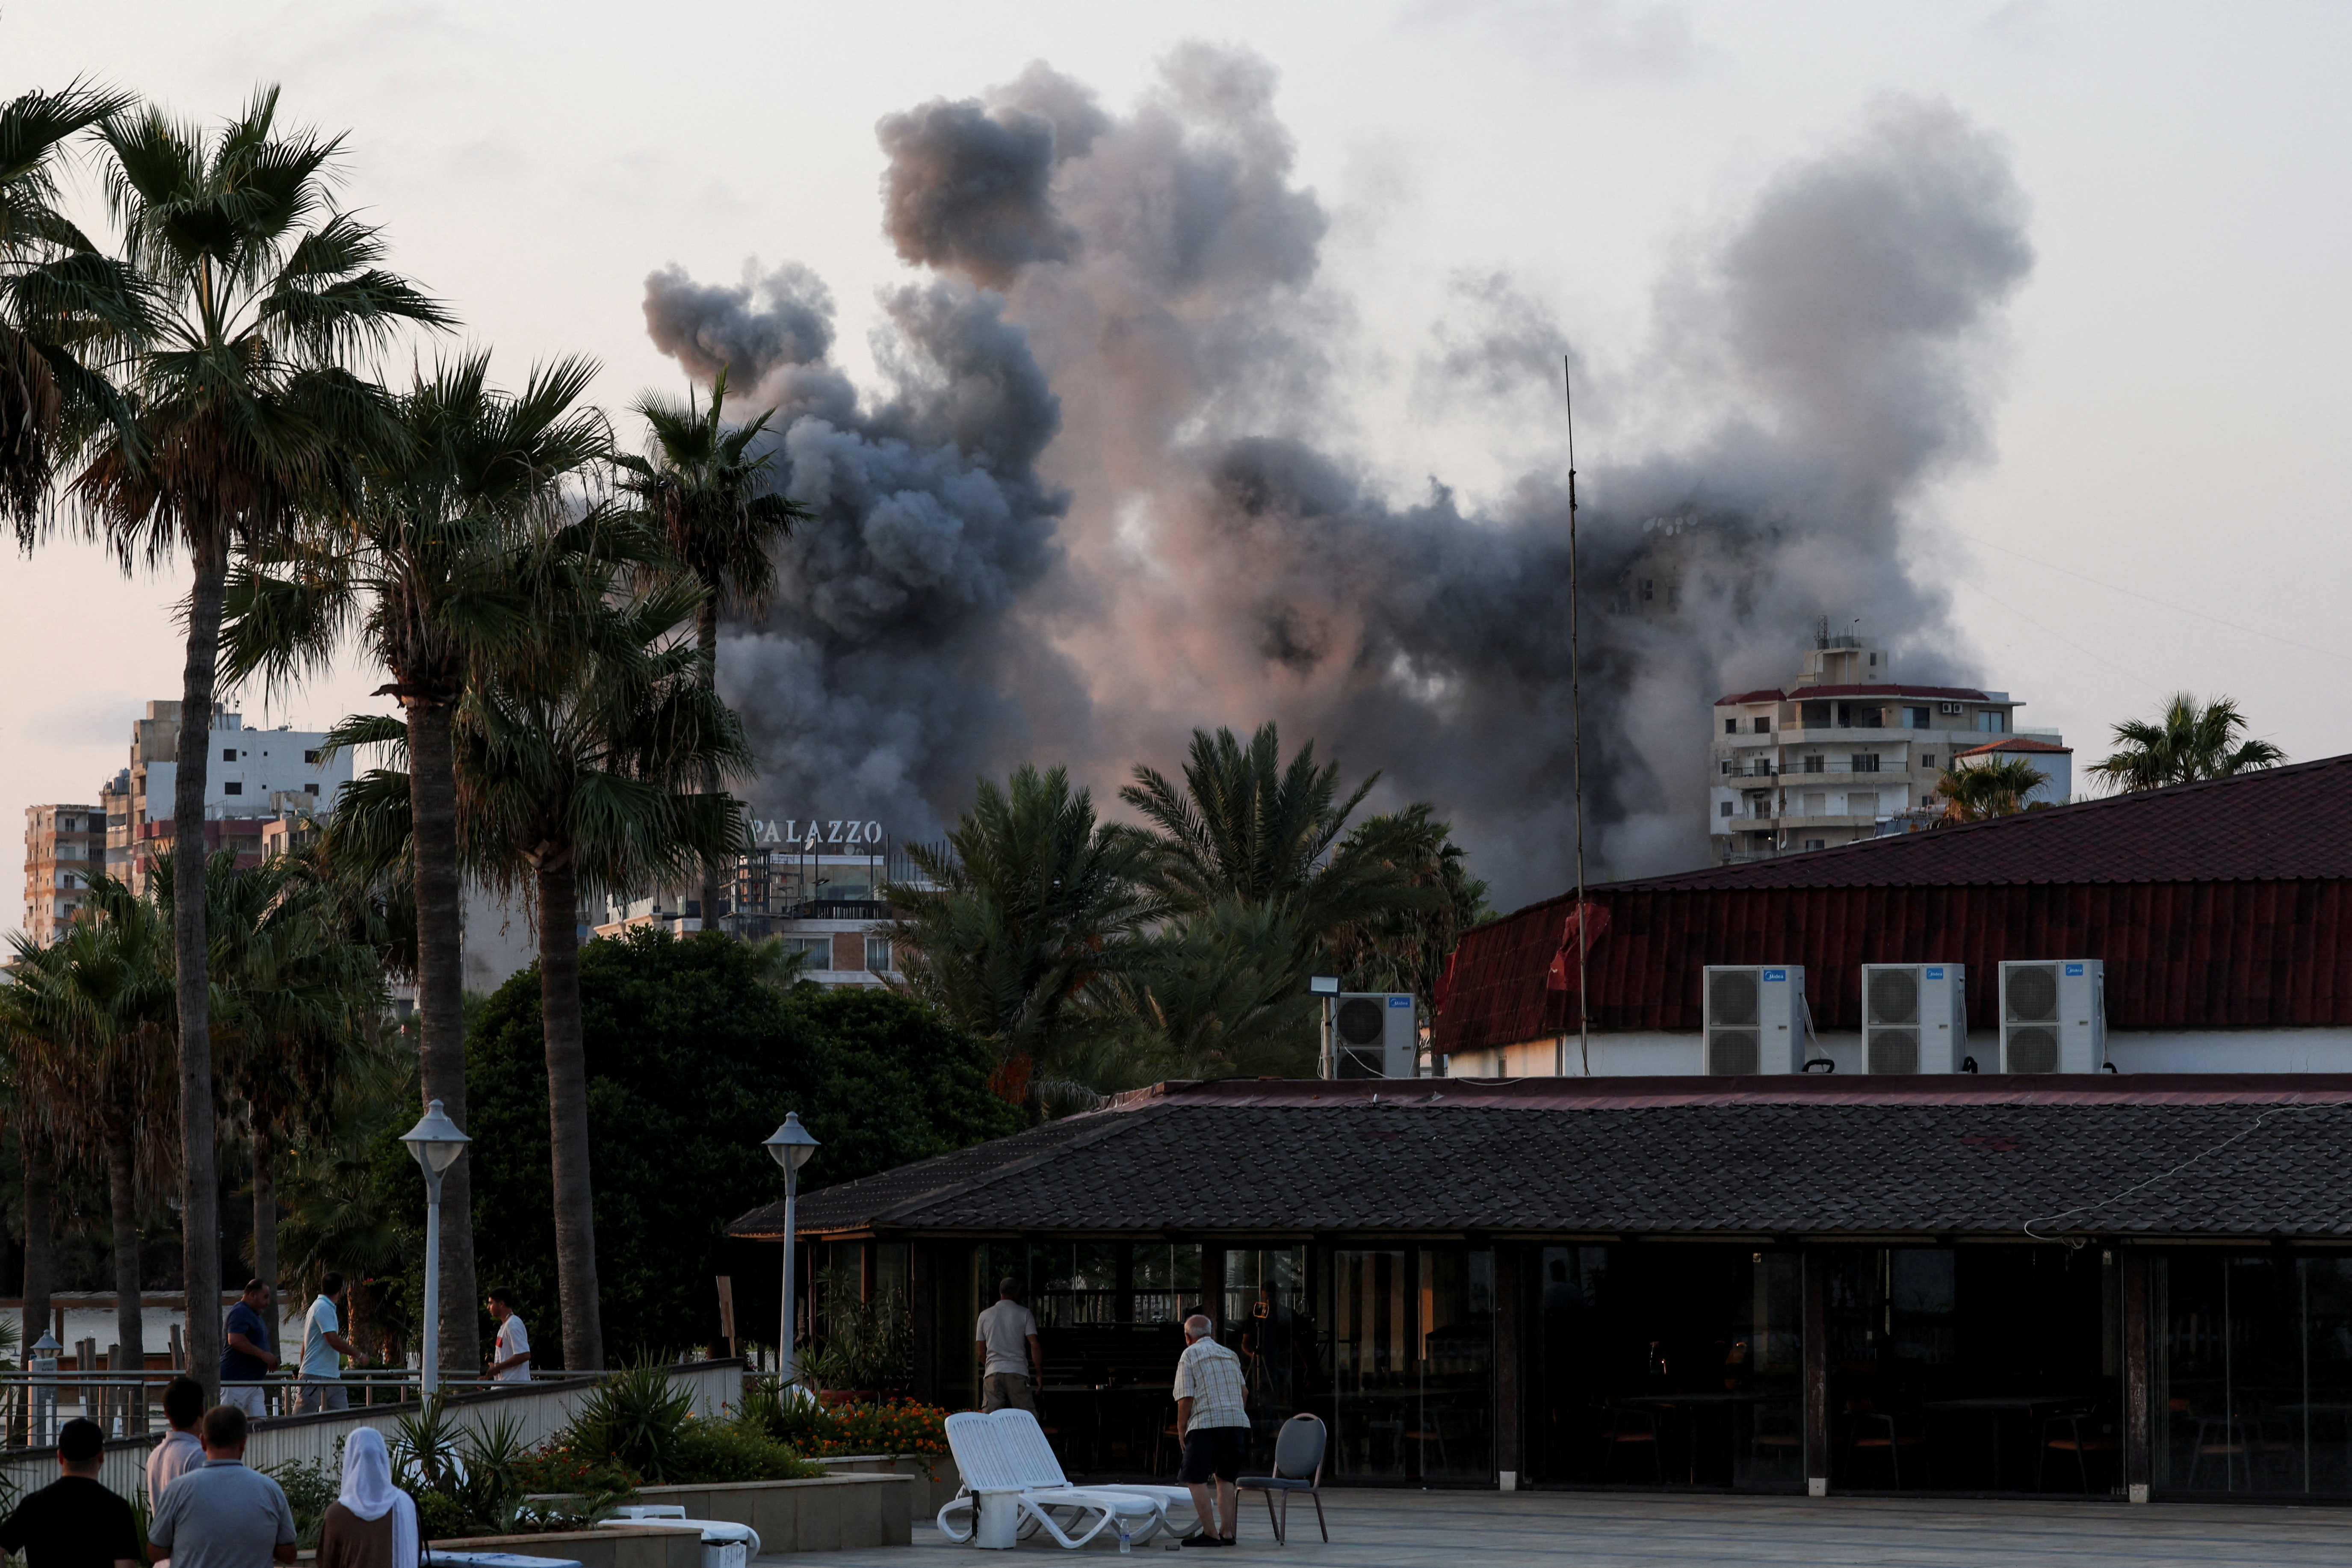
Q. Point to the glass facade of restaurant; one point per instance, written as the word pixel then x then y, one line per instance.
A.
pixel 2252 1374
pixel 1977 1367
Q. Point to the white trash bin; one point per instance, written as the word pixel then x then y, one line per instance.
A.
pixel 725 1544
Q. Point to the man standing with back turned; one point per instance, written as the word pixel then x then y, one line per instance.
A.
pixel 1216 1430
pixel 1006 1341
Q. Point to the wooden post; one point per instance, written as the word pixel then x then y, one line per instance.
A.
pixel 923 1310
pixel 2139 1402
pixel 1213 1289
pixel 727 1313
pixel 1817 1372
pixel 1507 1259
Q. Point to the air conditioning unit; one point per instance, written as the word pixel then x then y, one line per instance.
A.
pixel 1947 708
pixel 1375 1035
pixel 1915 1017
pixel 2054 1016
pixel 1756 1020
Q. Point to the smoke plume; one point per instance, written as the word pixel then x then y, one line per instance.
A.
pixel 1106 491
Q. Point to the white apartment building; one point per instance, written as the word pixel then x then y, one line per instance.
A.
pixel 253 777
pixel 1848 753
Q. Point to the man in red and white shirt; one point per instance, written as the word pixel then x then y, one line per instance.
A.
pixel 1209 1395
pixel 511 1357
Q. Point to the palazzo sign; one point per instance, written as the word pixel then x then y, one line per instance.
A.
pixel 811 835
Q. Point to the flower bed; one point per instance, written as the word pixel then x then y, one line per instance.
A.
pixel 898 1427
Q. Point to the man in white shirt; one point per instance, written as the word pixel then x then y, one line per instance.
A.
pixel 511 1357
pixel 323 1348
pixel 1010 1360
pixel 1209 1395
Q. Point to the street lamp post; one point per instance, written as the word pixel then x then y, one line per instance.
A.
pixel 791 1145
pixel 436 1143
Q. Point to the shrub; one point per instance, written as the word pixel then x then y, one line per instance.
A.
pixel 635 1418
pixel 309 1489
pixel 894 1426
pixel 710 1452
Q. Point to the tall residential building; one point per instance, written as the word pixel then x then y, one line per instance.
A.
pixel 1848 753
pixel 252 778
pixel 63 844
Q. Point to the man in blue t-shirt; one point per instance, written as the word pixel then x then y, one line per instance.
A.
pixel 249 1350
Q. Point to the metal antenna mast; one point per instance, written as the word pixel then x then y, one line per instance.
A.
pixel 1576 714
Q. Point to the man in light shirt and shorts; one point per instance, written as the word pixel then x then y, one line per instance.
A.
pixel 1209 1395
pixel 1010 1364
pixel 323 1348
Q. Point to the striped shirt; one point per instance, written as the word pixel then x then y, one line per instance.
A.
pixel 1210 1376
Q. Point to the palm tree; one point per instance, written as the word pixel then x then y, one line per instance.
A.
pixel 243 412
pixel 60 299
pixel 299 1000
pixel 1218 998
pixel 1245 826
pixel 2193 740
pixel 444 570
pixel 1029 903
pixel 90 1022
pixel 709 498
pixel 1982 791
pixel 1404 947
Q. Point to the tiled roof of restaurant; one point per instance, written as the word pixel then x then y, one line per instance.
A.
pixel 2146 1155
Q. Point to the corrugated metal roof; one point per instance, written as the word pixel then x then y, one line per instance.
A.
pixel 2215 906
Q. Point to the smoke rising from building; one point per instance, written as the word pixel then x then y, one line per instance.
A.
pixel 1106 492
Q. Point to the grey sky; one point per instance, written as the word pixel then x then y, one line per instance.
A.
pixel 2154 508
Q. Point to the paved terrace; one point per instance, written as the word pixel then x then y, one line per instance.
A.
pixel 1460 1530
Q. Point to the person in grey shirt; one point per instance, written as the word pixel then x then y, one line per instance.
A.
pixel 221 1514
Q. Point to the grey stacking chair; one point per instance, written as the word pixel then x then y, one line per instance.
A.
pixel 1297 1468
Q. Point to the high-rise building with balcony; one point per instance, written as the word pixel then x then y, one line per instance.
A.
pixel 1848 751
pixel 63 844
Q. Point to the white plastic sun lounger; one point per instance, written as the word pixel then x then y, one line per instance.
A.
pixel 1008 1493
pixel 1035 1457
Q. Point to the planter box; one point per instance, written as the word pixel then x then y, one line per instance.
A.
pixel 933 1491
pixel 828 1513
pixel 594 1548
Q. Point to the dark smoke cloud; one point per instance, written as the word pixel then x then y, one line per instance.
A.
pixel 785 318
pixel 1116 500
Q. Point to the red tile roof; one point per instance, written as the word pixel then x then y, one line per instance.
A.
pixel 2220 905
pixel 2016 743
pixel 1768 694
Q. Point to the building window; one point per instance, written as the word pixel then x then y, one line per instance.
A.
pixel 231 787
pixel 1731 726
pixel 1724 809
pixel 1764 726
pixel 229 755
pixel 1647 588
pixel 1992 720
pixel 311 758
pixel 1865 761
pixel 1918 717
pixel 310 789
pixel 1817 765
pixel 1926 759
pixel 1817 843
pixel 878 954
pixel 1927 800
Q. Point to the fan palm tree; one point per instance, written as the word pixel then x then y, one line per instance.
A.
pixel 2193 740
pixel 244 410
pixel 588 775
pixel 1029 903
pixel 60 299
pixel 1982 791
pixel 1404 947
pixel 710 496
pixel 90 1023
pixel 1219 997
pixel 444 566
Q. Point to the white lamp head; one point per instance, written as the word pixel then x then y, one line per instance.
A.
pixel 435 1141
pixel 791 1145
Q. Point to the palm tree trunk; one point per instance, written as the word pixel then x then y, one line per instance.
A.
pixel 199 1186
pixel 265 1211
pixel 706 639
pixel 441 1009
pixel 40 1238
pixel 123 1203
pixel 567 1114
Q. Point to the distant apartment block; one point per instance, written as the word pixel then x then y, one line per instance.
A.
pixel 1848 752
pixel 63 844
pixel 253 777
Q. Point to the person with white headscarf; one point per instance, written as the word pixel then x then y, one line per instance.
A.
pixel 372 1524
